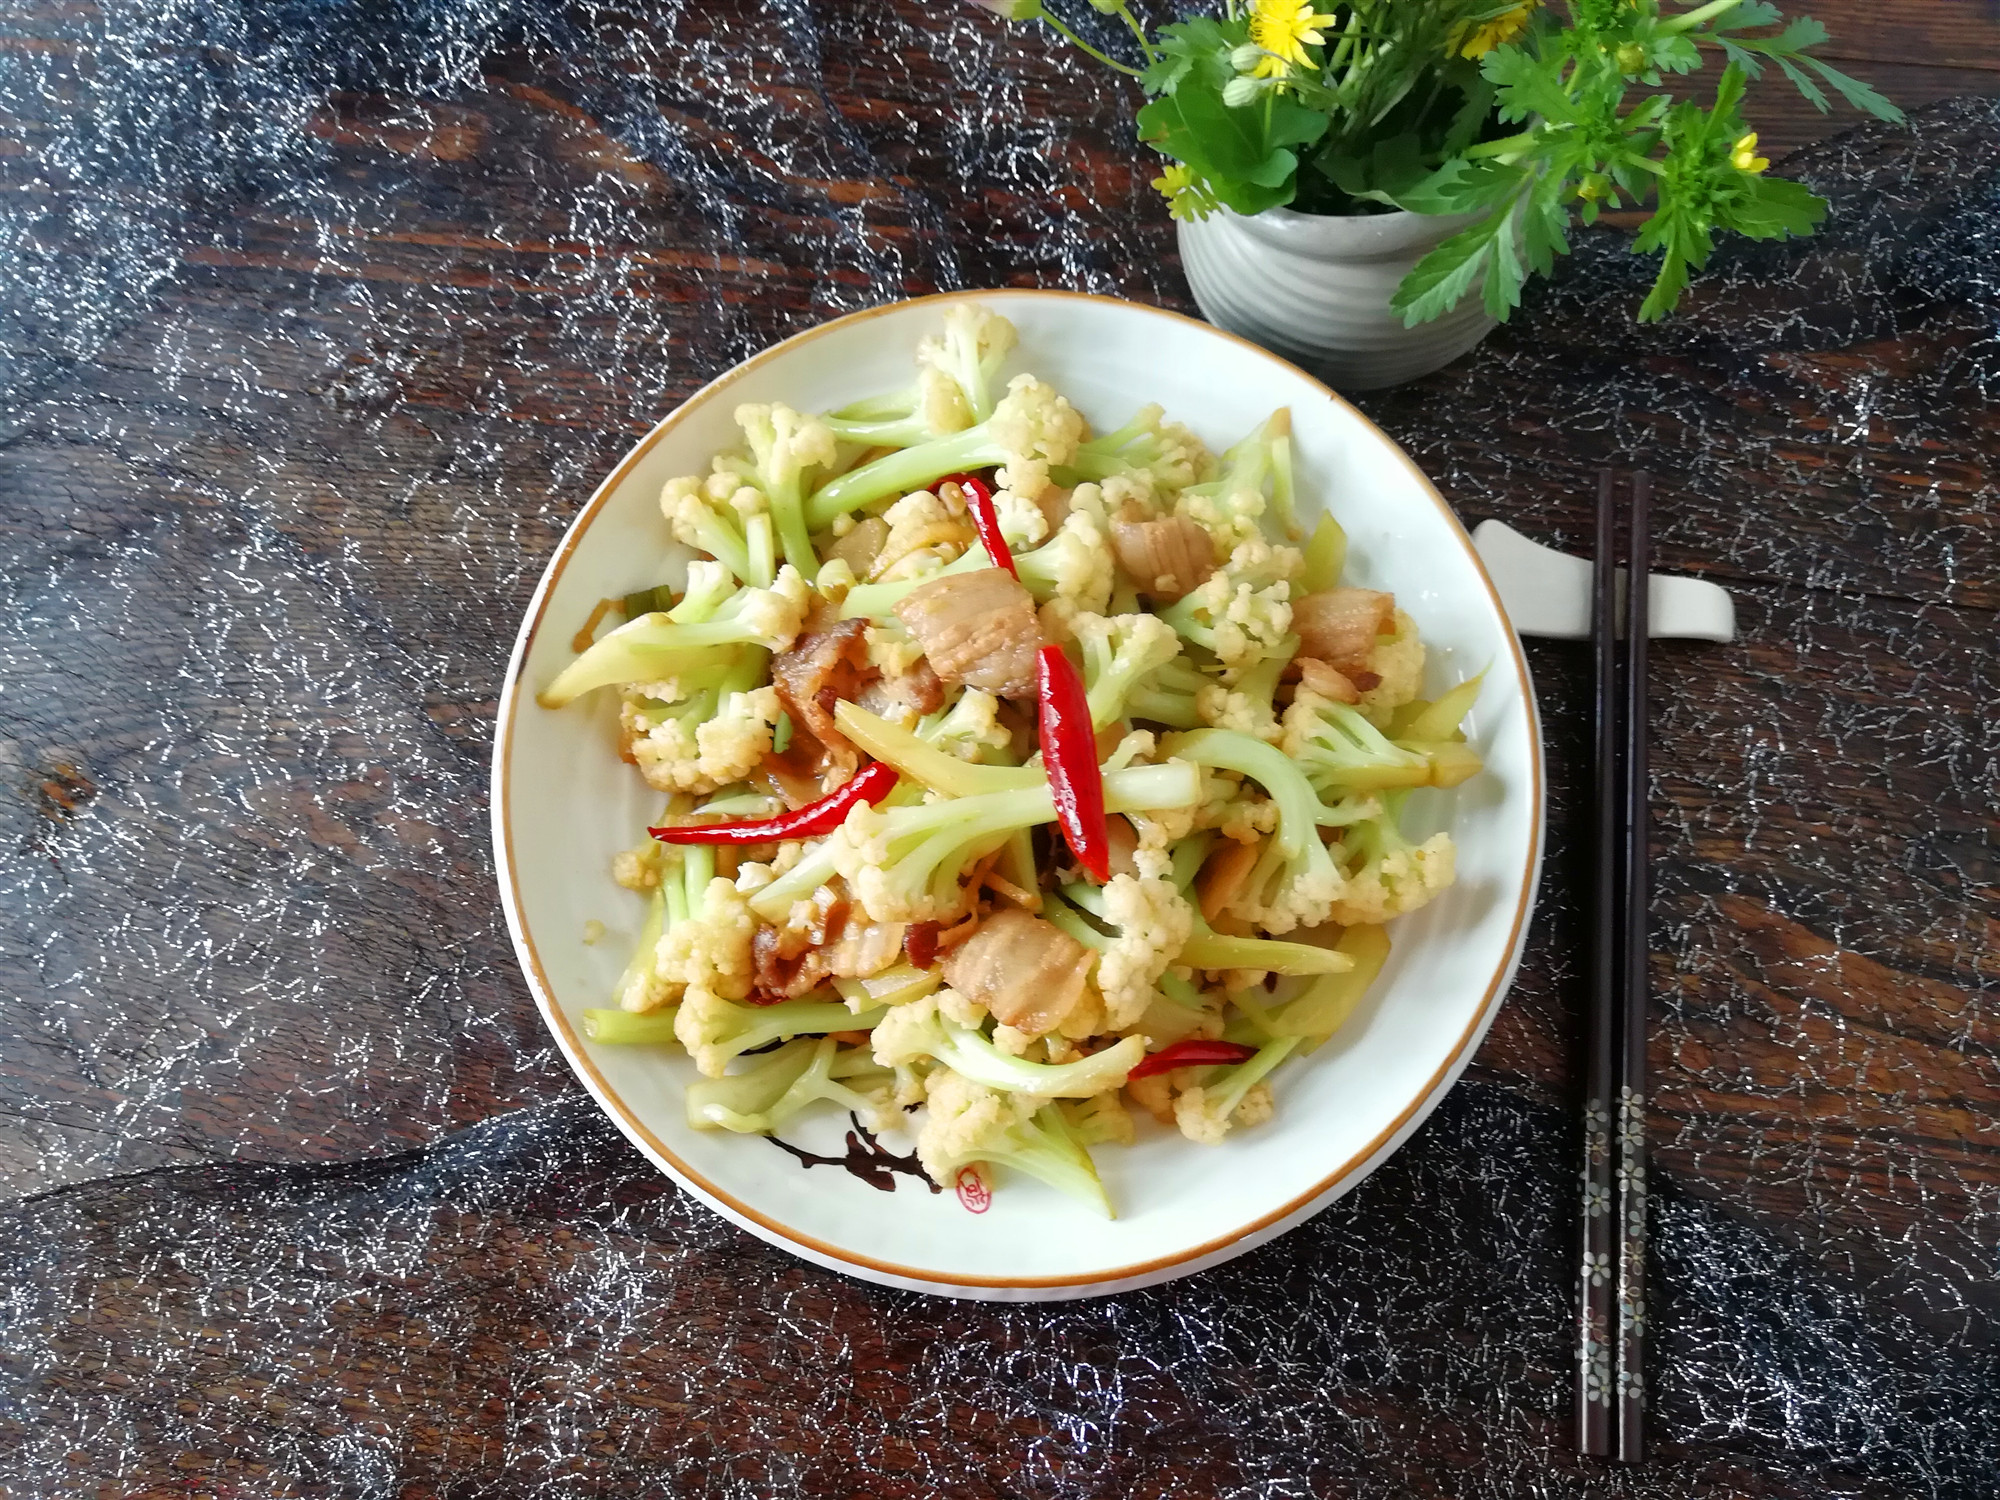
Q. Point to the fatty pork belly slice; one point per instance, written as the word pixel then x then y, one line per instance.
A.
pixel 1339 626
pixel 1167 558
pixel 828 662
pixel 977 628
pixel 1029 973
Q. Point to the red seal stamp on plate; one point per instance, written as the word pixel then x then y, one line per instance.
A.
pixel 972 1192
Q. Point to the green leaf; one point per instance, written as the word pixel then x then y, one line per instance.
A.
pixel 1545 224
pixel 1740 57
pixel 1526 85
pixel 1437 282
pixel 1857 93
pixel 1164 126
pixel 1460 187
pixel 1746 17
pixel 1666 292
pixel 1504 275
pixel 1164 73
pixel 1199 44
pixel 1250 142
pixel 1812 92
pixel 1391 168
pixel 1772 208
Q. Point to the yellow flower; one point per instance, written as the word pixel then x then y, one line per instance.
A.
pixel 1489 34
pixel 1284 29
pixel 1187 195
pixel 1743 155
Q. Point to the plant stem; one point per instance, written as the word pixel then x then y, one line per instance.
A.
pixel 1501 147
pixel 1138 31
pixel 1110 62
pixel 1694 18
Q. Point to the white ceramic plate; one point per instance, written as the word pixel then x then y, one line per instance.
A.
pixel 563 804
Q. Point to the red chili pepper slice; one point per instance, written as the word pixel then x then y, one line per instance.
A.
pixel 985 519
pixel 871 785
pixel 920 943
pixel 1193 1053
pixel 1069 754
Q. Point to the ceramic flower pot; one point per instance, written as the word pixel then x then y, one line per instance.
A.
pixel 1316 288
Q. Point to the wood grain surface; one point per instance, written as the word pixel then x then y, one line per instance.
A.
pixel 319 329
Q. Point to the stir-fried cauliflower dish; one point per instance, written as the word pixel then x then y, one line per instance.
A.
pixel 1019 779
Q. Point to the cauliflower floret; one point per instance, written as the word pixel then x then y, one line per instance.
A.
pixel 962 1120
pixel 1396 882
pixel 674 758
pixel 1230 518
pixel 638 869
pixel 1161 830
pixel 1075 566
pixel 1021 520
pixel 1254 560
pixel 965 357
pixel 1154 923
pixel 961 1008
pixel 902 1038
pixel 1207 1119
pixel 783 441
pixel 1242 620
pixel 1399 661
pixel 777 613
pixel 1013 1041
pixel 1225 708
pixel 859 849
pixel 1037 427
pixel 939 400
pixel 739 736
pixel 1100 1118
pixel 1245 818
pixel 971 727
pixel 703 1025
pixel 1130 496
pixel 666 753
pixel 710 952
pixel 1120 652
pixel 891 651
pixel 926 531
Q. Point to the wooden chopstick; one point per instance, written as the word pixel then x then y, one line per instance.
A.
pixel 1596 1270
pixel 1610 1328
pixel 1631 1337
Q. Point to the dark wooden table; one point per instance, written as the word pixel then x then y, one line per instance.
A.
pixel 321 321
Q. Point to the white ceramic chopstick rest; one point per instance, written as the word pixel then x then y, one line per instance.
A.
pixel 1547 593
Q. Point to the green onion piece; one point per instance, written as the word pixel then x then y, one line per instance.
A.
pixel 1326 555
pixel 781 737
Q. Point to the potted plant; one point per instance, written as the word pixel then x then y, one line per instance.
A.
pixel 1364 185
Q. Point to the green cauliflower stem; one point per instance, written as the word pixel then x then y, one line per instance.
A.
pixel 903 864
pixel 780 1084
pixel 783 446
pixel 1296 881
pixel 1168 695
pixel 1164 455
pixel 965 1123
pixel 734 527
pixel 1120 651
pixel 1237 1095
pixel 715 1031
pixel 1342 753
pixel 919 1030
pixel 1387 875
pixel 1031 424
pixel 657 646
